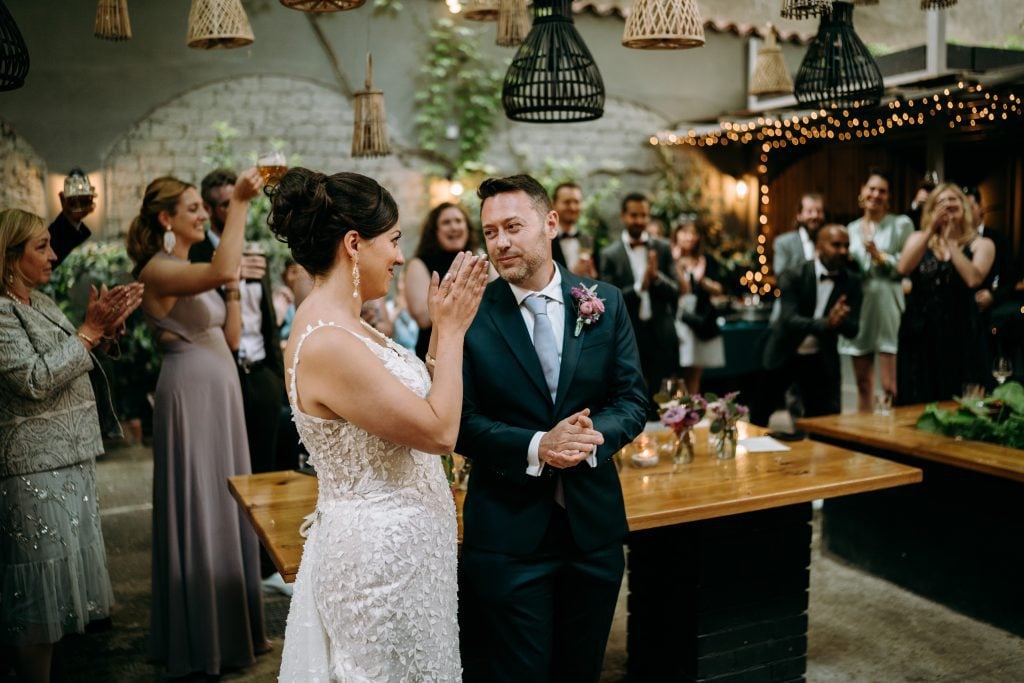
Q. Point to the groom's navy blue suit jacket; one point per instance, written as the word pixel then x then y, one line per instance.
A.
pixel 506 401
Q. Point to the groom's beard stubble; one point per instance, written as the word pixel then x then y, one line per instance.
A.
pixel 519 272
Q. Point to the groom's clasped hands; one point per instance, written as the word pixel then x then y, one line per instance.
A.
pixel 570 442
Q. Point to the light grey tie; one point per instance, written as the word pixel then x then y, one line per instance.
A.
pixel 544 340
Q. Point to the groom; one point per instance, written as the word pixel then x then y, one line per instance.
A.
pixel 547 401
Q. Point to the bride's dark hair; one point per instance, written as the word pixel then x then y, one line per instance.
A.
pixel 311 213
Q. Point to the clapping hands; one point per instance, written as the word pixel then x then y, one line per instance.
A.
pixel 570 442
pixel 454 299
pixel 109 308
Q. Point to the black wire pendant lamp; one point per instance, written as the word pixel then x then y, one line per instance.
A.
pixel 553 78
pixel 838 72
pixel 13 52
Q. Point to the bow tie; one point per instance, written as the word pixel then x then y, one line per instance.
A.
pixel 828 276
pixel 633 244
pixel 569 235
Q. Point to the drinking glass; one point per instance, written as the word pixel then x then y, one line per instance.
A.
pixel 78 192
pixel 673 388
pixel 272 166
pixel 1002 369
pixel 883 404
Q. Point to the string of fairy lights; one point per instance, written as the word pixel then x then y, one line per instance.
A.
pixel 965 105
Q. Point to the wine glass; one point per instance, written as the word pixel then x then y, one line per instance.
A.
pixel 1002 368
pixel 272 166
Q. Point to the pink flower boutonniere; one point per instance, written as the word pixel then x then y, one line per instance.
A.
pixel 589 307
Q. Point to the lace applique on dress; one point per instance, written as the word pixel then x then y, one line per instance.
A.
pixel 375 597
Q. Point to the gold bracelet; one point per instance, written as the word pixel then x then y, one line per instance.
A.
pixel 431 361
pixel 86 338
pixel 232 295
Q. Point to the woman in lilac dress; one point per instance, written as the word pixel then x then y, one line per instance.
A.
pixel 207 611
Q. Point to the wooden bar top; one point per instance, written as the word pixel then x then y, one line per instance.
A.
pixel 666 494
pixel 898 433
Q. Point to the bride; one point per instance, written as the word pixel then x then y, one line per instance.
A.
pixel 375 597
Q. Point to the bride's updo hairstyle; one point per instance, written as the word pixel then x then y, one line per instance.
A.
pixel 312 212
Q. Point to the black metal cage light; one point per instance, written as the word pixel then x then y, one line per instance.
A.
pixel 838 72
pixel 13 52
pixel 553 78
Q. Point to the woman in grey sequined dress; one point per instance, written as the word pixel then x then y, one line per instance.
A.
pixel 207 607
pixel 53 567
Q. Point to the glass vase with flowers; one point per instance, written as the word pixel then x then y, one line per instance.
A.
pixel 680 415
pixel 725 413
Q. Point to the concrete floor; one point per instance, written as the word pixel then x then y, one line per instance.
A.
pixel 861 628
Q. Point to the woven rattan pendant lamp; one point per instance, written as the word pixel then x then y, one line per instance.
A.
pixel 936 4
pixel 218 24
pixel 13 52
pixel 838 71
pixel 553 78
pixel 771 75
pixel 112 20
pixel 663 25
pixel 481 10
pixel 370 130
pixel 322 5
pixel 865 2
pixel 803 9
pixel 513 23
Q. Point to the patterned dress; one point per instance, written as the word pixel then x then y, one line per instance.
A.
pixel 375 597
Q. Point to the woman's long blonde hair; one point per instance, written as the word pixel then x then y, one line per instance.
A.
pixel 967 230
pixel 17 227
pixel 146 235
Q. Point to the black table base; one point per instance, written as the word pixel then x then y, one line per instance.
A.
pixel 956 539
pixel 721 600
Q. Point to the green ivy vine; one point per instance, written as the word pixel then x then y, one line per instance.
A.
pixel 460 99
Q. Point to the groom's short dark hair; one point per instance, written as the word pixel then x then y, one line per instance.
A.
pixel 516 183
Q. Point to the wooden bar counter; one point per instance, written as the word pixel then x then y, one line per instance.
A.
pixel 956 538
pixel 719 550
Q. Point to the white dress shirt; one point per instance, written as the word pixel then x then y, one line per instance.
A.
pixel 570 246
pixel 251 346
pixel 810 343
pixel 556 314
pixel 638 263
pixel 809 249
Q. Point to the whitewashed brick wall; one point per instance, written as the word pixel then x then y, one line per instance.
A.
pixel 22 173
pixel 314 122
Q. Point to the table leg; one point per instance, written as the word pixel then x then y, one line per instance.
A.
pixel 721 598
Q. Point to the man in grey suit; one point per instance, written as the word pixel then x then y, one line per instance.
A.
pixel 794 248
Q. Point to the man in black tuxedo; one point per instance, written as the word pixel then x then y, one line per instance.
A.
pixel 67 230
pixel 820 300
pixel 260 366
pixel 547 401
pixel 642 267
pixel 570 247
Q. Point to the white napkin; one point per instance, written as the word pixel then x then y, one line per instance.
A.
pixel 762 444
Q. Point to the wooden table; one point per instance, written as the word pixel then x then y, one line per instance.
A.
pixel 955 539
pixel 719 550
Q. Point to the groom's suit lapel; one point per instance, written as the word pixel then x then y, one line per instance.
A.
pixel 571 344
pixel 508 319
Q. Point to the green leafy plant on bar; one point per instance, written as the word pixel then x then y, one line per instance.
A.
pixel 997 418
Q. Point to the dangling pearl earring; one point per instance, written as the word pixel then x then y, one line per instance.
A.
pixel 355 278
pixel 169 239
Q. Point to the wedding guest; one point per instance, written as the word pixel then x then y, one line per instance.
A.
pixel 207 609
pixel 876 240
pixel 297 286
pixel 68 230
pixel 794 248
pixel 946 261
pixel 819 303
pixel 642 267
pixel 55 409
pixel 700 342
pixel 542 559
pixel 571 247
pixel 445 233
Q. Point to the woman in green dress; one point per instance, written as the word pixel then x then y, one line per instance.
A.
pixel 876 240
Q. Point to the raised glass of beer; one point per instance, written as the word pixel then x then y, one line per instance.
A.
pixel 78 192
pixel 272 166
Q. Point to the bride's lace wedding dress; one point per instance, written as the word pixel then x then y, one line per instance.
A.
pixel 375 597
